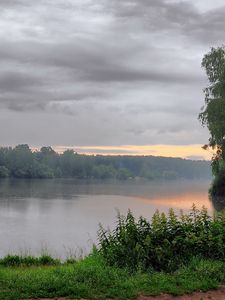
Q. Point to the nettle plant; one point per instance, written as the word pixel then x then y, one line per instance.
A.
pixel 165 243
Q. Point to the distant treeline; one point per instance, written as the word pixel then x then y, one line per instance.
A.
pixel 21 162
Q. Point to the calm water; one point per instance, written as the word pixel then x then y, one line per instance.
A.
pixel 63 215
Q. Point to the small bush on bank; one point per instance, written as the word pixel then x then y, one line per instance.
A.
pixel 17 261
pixel 166 242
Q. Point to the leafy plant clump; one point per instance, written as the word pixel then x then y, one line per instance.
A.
pixel 18 261
pixel 166 242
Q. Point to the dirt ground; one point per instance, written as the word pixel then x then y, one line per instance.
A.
pixel 210 295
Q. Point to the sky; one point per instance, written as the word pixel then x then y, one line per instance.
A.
pixel 107 76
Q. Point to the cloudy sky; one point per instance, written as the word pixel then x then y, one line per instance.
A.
pixel 106 76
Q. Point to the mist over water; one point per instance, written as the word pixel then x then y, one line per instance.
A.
pixel 62 216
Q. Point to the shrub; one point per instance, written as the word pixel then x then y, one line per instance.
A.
pixel 164 243
pixel 17 261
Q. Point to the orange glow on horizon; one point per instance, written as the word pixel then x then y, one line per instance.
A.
pixel 193 151
pixel 182 201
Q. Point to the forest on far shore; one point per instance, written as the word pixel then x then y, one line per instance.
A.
pixel 22 162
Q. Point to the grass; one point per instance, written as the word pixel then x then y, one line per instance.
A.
pixel 92 278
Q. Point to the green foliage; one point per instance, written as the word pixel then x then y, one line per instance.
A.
pixel 164 243
pixel 18 261
pixel 92 278
pixel 4 172
pixel 217 188
pixel 213 114
pixel 21 162
pixel 170 175
pixel 123 174
pixel 104 172
pixel 214 64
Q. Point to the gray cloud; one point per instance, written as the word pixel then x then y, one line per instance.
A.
pixel 177 17
pixel 18 81
pixel 111 72
pixel 12 3
pixel 155 14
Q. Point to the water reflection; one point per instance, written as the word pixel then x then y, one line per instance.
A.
pixel 64 214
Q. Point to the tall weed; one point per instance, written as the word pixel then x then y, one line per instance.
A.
pixel 166 242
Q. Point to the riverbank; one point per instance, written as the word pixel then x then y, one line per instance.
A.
pixel 173 255
pixel 92 278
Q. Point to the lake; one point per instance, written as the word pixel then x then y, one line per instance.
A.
pixel 62 216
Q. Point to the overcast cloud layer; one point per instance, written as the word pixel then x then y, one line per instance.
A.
pixel 105 72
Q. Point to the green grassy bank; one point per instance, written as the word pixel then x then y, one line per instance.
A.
pixel 93 278
pixel 171 254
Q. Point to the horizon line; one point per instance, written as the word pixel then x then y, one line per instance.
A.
pixel 189 151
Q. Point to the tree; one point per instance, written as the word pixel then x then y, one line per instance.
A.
pixel 4 172
pixel 47 151
pixel 21 161
pixel 123 174
pixel 213 113
pixel 67 163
